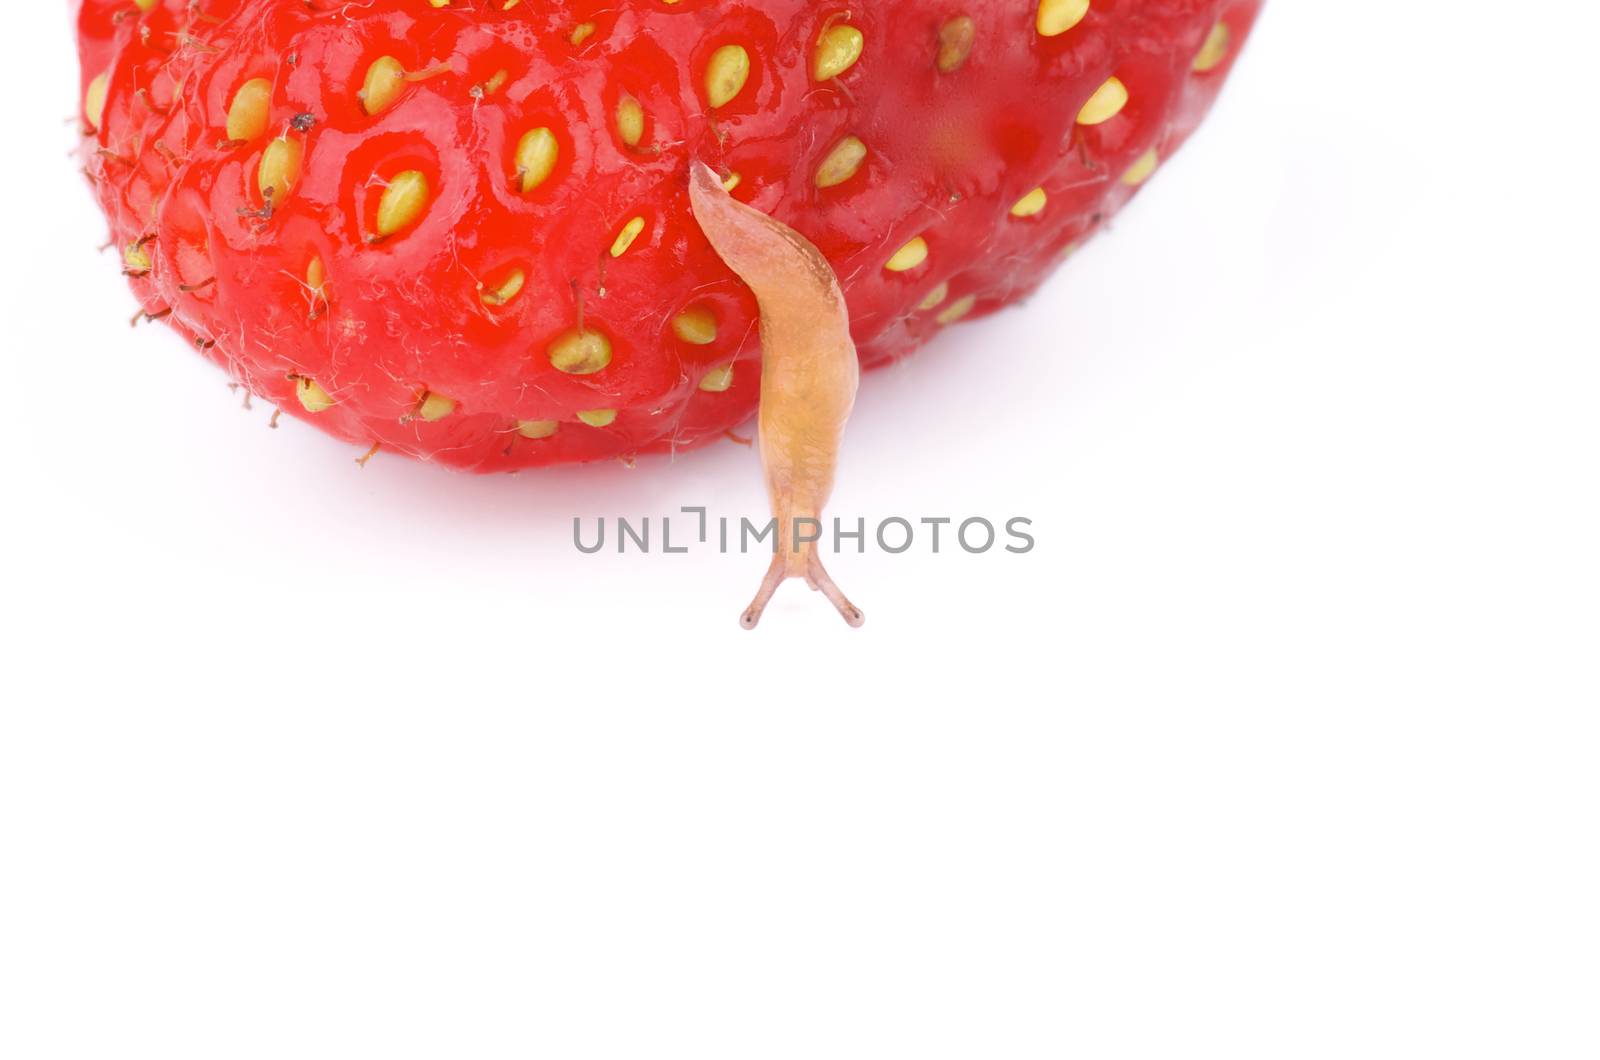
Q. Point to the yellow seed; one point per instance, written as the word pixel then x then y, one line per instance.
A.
pixel 135 258
pixel 435 406
pixel 841 163
pixel 695 325
pixel 836 52
pixel 439 3
pixel 911 255
pixel 1140 171
pixel 312 397
pixel 957 309
pixel 580 352
pixel 935 296
pixel 496 82
pixel 625 238
pixel 537 428
pixel 247 114
pixel 385 80
pixel 726 73
pixel 94 100
pixel 955 43
pixel 1055 17
pixel 630 121
pixel 1029 204
pixel 280 168
pixel 731 181
pixel 146 5
pixel 718 379
pixel 316 277
pixel 598 417
pixel 536 158
pixel 402 203
pixel 1214 50
pixel 581 33
pixel 1106 103
pixel 504 291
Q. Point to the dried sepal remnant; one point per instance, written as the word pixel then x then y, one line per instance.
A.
pixel 809 375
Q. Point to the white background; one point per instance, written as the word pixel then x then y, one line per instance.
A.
pixel 1281 743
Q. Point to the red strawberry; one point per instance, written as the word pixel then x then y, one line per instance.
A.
pixel 462 230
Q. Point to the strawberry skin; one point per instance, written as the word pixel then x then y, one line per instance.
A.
pixel 462 230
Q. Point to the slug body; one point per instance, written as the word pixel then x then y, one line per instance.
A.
pixel 809 374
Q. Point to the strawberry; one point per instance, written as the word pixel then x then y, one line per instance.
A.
pixel 463 230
